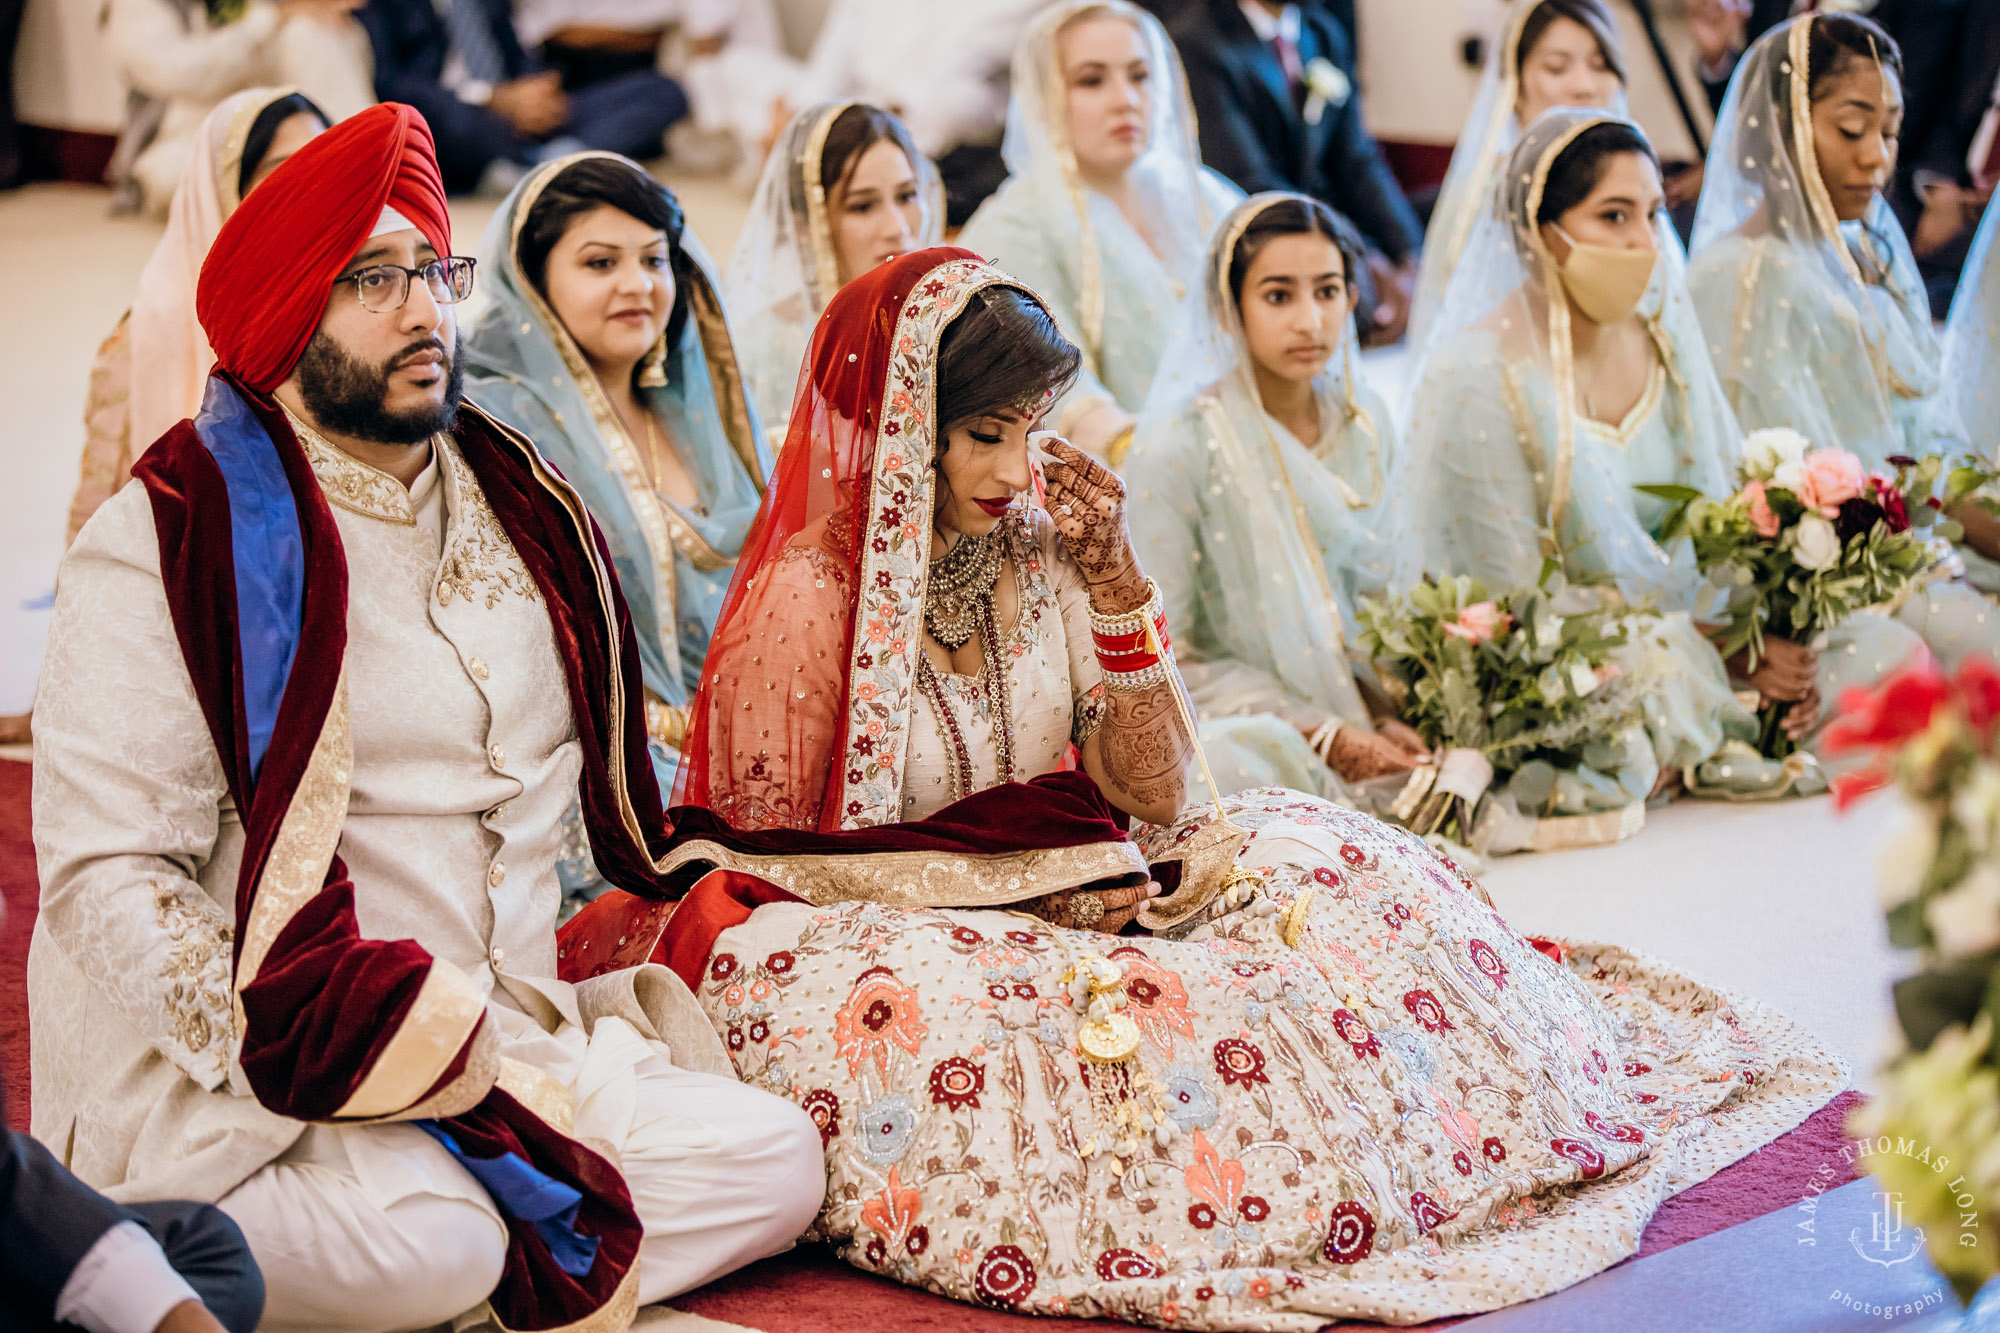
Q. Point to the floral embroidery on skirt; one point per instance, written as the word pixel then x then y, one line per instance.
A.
pixel 1414 1113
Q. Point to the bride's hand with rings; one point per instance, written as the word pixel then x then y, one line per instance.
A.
pixel 1105 910
pixel 1086 501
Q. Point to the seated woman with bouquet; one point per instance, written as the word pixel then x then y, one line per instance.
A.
pixel 1337 1085
pixel 1806 286
pixel 1257 479
pixel 1569 369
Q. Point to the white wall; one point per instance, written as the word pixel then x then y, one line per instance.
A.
pixel 62 77
pixel 1419 88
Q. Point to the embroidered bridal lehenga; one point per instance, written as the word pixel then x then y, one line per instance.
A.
pixel 1339 1085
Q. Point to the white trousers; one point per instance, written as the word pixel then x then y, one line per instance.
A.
pixel 377 1229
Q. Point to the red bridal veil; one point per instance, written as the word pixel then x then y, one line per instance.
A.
pixel 803 715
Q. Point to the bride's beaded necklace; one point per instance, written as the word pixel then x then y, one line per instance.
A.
pixel 959 590
pixel 958 603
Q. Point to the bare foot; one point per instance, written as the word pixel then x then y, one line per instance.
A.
pixel 15 729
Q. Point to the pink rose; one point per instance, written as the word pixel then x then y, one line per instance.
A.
pixel 1477 623
pixel 1761 517
pixel 1830 478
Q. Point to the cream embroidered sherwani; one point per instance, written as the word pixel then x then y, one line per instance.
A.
pixel 465 758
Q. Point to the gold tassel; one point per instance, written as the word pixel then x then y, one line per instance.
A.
pixel 1129 1104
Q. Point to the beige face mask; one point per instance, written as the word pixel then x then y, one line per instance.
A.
pixel 1606 283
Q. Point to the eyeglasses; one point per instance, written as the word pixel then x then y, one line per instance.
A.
pixel 384 287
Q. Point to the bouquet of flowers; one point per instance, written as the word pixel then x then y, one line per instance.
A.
pixel 1937 740
pixel 1518 688
pixel 1807 540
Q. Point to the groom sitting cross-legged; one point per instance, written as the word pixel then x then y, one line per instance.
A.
pixel 319 689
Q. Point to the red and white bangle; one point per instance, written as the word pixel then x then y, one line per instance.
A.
pixel 1133 647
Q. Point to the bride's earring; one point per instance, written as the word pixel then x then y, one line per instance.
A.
pixel 653 370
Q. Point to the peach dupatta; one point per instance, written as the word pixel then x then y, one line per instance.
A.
pixel 158 359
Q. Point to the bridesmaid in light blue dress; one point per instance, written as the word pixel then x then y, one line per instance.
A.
pixel 1108 210
pixel 1264 535
pixel 1547 398
pixel 1805 284
pixel 674 490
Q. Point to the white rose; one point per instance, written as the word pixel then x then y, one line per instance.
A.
pixel 1582 679
pixel 1976 805
pixel 1788 475
pixel 1967 919
pixel 1764 451
pixel 1816 545
pixel 1907 852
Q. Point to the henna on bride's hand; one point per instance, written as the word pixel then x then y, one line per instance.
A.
pixel 1108 910
pixel 1143 745
pixel 1086 501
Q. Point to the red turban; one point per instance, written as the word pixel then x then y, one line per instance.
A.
pixel 264 285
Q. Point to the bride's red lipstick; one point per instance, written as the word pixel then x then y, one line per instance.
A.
pixel 995 508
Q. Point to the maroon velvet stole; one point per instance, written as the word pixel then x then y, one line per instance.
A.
pixel 344 1029
pixel 727 873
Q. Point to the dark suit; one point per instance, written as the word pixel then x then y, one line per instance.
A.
pixel 1764 16
pixel 1951 58
pixel 628 113
pixel 49 1220
pixel 1254 131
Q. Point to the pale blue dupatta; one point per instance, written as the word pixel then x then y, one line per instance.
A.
pixel 673 562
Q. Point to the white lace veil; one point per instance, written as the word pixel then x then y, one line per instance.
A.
pixel 1167 176
pixel 1490 131
pixel 1762 181
pixel 784 269
pixel 1281 598
pixel 1491 479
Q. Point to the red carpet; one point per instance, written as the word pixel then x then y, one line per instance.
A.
pixel 19 892
pixel 809 1290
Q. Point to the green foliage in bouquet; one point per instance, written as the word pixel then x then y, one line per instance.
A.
pixel 1808 540
pixel 1937 739
pixel 1523 676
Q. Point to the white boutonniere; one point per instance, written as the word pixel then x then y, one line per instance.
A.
pixel 1327 85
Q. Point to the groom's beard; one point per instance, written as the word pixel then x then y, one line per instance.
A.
pixel 345 396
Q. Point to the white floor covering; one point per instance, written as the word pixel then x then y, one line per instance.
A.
pixel 1777 901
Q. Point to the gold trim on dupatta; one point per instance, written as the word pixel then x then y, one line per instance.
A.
pixel 236 139
pixel 1798 51
pixel 927 879
pixel 1562 359
pixel 824 273
pixel 725 380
